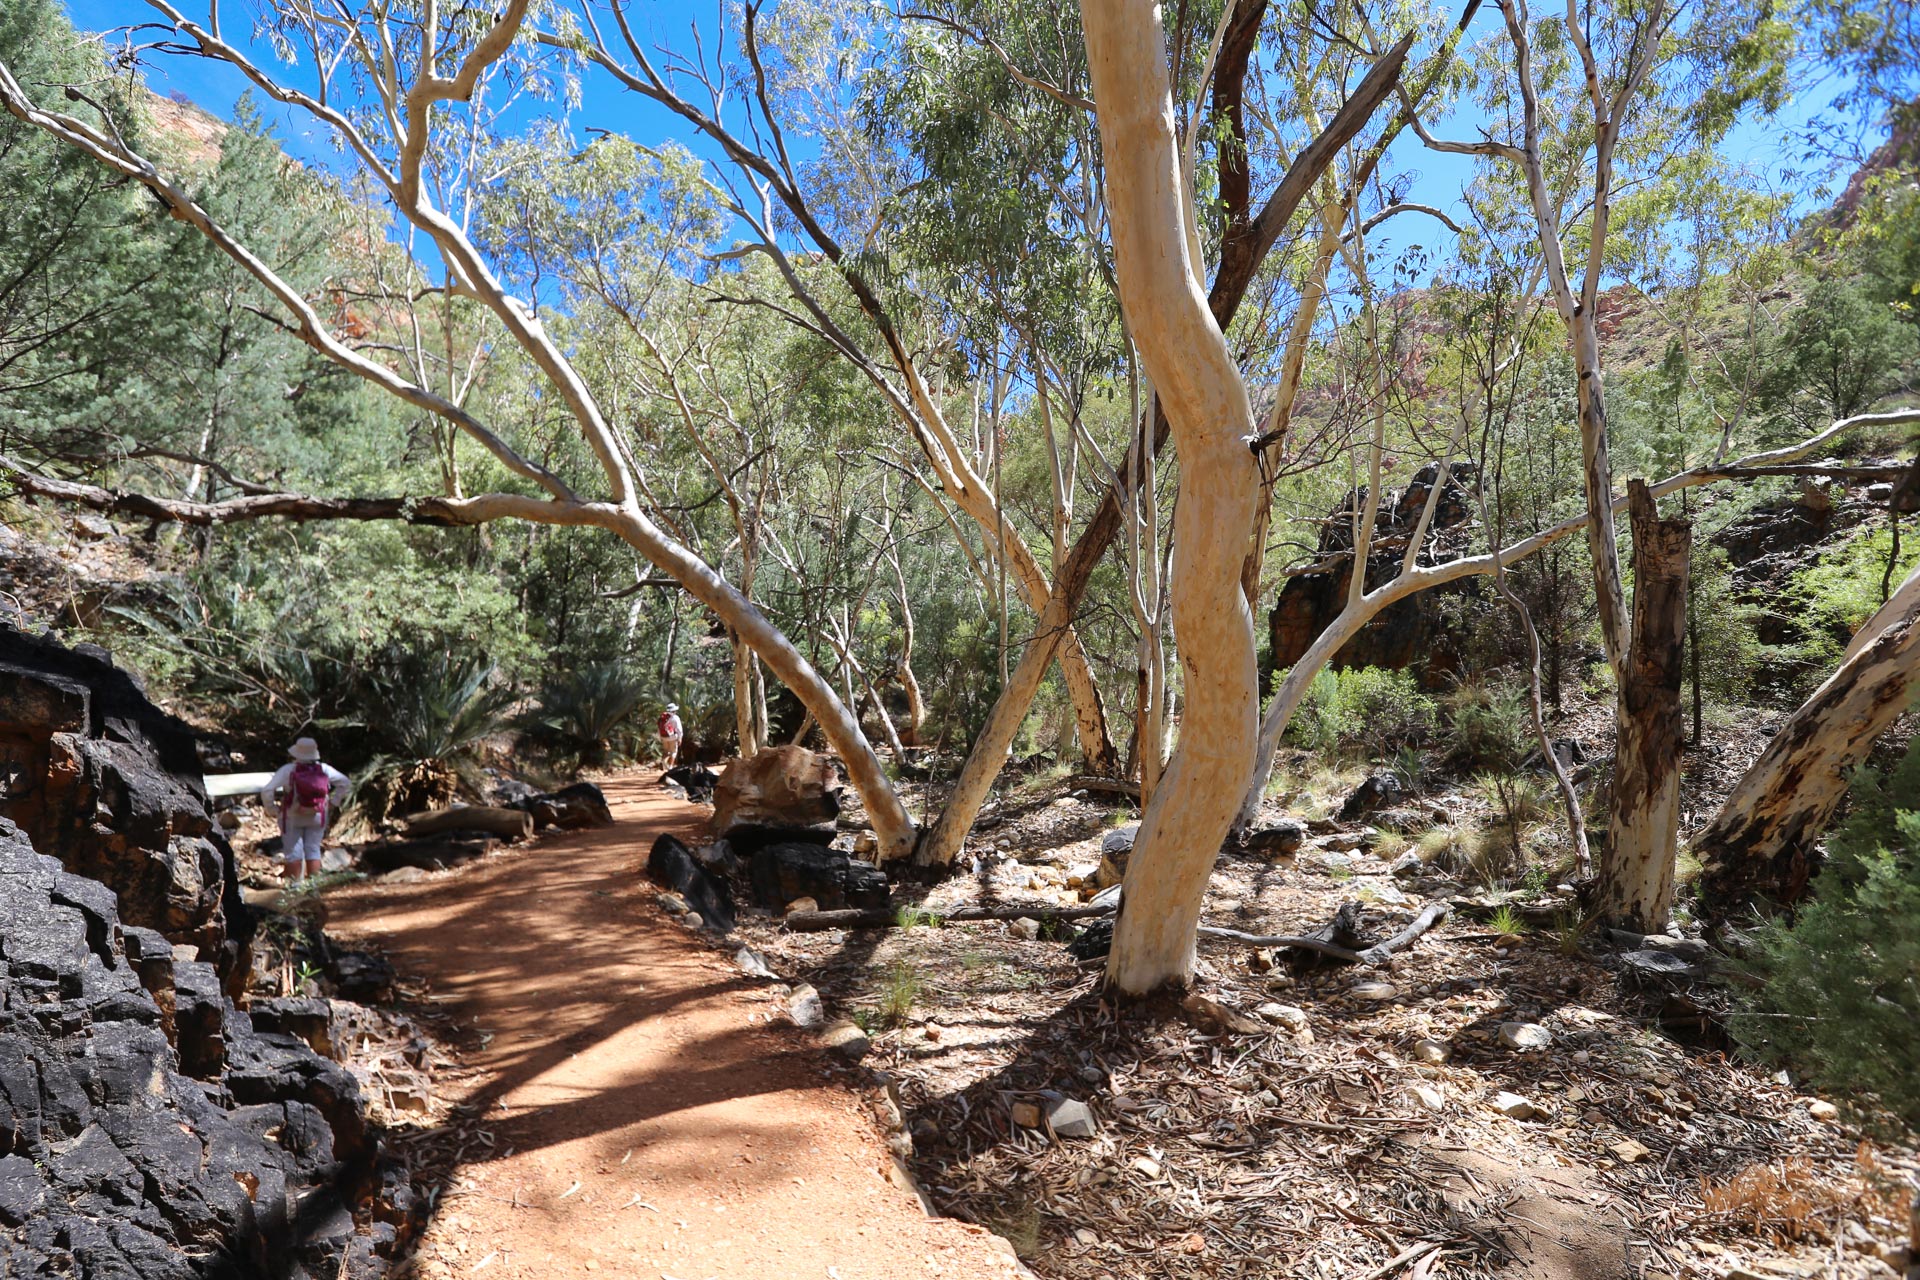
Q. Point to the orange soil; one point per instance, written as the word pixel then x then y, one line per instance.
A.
pixel 649 1119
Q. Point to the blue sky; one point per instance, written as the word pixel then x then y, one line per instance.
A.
pixel 1771 146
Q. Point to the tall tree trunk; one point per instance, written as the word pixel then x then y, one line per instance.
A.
pixel 1636 873
pixel 1190 367
pixel 743 717
pixel 903 665
pixel 1760 844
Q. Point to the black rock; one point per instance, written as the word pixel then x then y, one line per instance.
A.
pixel 696 780
pixel 1280 839
pixel 513 793
pixel 117 1164
pixel 672 865
pixel 429 853
pixel 360 977
pixel 748 839
pixel 308 1018
pixel 783 872
pixel 580 805
pixel 1120 840
pixel 1093 942
pixel 1377 792
pixel 110 785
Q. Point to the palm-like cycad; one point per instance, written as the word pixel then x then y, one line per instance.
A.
pixel 433 717
pixel 583 712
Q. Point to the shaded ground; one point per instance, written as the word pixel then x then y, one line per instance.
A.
pixel 631 1111
pixel 1334 1151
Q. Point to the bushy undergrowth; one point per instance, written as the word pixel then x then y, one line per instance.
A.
pixel 1842 980
pixel 1840 590
pixel 1487 729
pixel 1362 707
pixel 435 715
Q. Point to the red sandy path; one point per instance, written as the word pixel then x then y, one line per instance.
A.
pixel 614 1032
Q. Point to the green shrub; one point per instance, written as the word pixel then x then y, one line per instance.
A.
pixel 436 713
pixel 1840 590
pixel 1488 727
pixel 1364 707
pixel 1841 993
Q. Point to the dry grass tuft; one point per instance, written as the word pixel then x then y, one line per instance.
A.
pixel 1793 1200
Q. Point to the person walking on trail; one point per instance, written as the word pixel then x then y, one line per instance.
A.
pixel 304 790
pixel 671 733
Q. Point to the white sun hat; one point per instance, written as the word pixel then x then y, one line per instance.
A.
pixel 304 749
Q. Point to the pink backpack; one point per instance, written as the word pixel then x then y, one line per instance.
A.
pixel 309 789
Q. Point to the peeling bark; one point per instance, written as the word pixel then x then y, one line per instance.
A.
pixel 1635 888
pixel 1761 843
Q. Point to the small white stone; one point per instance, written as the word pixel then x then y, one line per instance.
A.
pixel 1821 1109
pixel 1289 1016
pixel 1025 927
pixel 1431 1051
pixel 1514 1106
pixel 1429 1097
pixel 1146 1166
pixel 1520 1036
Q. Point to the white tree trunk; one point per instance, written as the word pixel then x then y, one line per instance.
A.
pixel 1190 367
pixel 745 726
pixel 1761 842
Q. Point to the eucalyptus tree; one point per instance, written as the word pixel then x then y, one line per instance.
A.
pixel 384 79
pixel 1586 107
pixel 805 65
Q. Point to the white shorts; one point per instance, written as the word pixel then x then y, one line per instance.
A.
pixel 301 844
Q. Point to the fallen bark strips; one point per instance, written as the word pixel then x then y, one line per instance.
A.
pixel 1433 914
pixel 819 921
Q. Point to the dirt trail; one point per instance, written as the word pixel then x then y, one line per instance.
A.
pixel 648 1121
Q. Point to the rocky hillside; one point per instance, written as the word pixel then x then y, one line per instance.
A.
pixel 153 1123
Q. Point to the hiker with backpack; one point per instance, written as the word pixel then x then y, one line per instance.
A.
pixel 303 790
pixel 671 734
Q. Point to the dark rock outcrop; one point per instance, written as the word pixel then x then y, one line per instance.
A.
pixel 780 873
pixel 119 1164
pixel 1280 839
pixel 696 780
pixel 1116 847
pixel 1420 632
pixel 672 865
pixel 103 780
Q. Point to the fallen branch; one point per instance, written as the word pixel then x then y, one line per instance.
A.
pixel 1332 950
pixel 508 824
pixel 854 918
pixel 1411 1254
pixel 1112 786
pixel 1433 914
